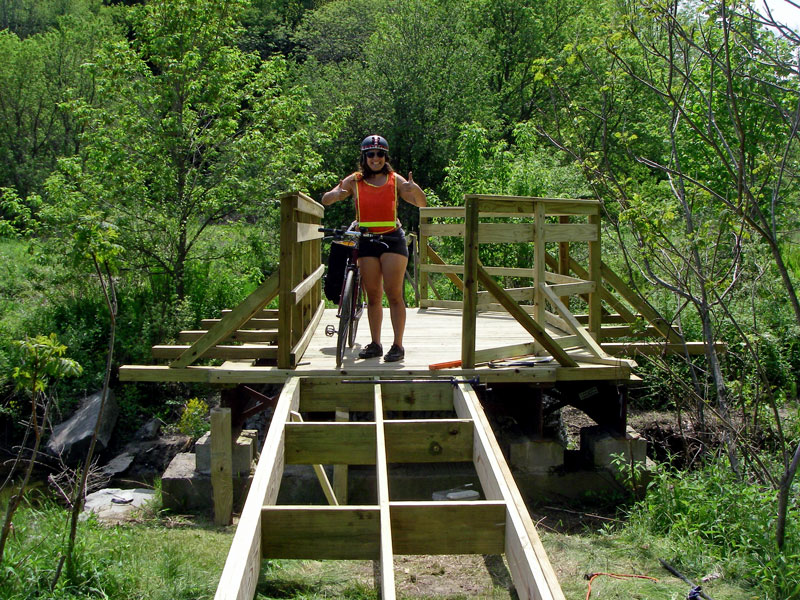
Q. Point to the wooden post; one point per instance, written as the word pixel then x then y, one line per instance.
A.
pixel 563 257
pixel 423 257
pixel 222 465
pixel 469 316
pixel 340 471
pixel 539 251
pixel 286 270
pixel 595 262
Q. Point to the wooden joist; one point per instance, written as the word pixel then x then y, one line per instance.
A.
pixel 497 524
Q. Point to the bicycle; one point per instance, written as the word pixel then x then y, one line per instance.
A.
pixel 351 299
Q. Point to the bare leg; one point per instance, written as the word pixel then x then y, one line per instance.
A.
pixel 372 282
pixel 393 267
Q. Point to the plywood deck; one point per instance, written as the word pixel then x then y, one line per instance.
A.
pixel 432 335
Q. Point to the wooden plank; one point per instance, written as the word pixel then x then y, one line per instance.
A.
pixel 588 341
pixel 264 336
pixel 386 560
pixel 468 324
pixel 433 212
pixel 240 574
pixel 533 575
pixel 308 231
pixel 330 443
pixel 321 532
pixel 223 352
pixel 559 278
pixel 657 348
pixel 448 527
pixel 628 331
pixel 497 271
pixel 525 294
pixel 510 351
pixel 229 323
pixel 302 344
pixel 407 441
pixel 572 232
pixel 531 326
pixel 301 289
pixel 305 204
pixel 264 313
pixel 330 394
pixel 221 465
pixel 525 205
pixel 574 289
pixel 254 323
pixel 258 375
pixel 319 471
pixel 422 259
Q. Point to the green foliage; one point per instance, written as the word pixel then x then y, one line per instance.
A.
pixel 712 519
pixel 42 363
pixel 153 561
pixel 193 421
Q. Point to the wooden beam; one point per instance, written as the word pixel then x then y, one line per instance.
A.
pixel 407 441
pixel 327 394
pixel 656 348
pixel 223 352
pixel 264 336
pixel 302 344
pixel 301 289
pixel 448 527
pixel 435 258
pixel 321 532
pixel 588 341
pixel 340 470
pixel 635 300
pixel 386 560
pixel 229 323
pixel 533 575
pixel 240 574
pixel 255 323
pixel 531 326
pixel 570 232
pixel 308 231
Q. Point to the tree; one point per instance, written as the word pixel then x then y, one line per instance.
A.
pixel 37 75
pixel 186 131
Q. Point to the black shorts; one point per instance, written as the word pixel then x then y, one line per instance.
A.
pixel 394 242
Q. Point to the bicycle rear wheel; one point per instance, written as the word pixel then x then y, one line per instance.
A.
pixel 345 316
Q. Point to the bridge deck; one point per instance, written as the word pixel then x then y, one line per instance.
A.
pixel 432 335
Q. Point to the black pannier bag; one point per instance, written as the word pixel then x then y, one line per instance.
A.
pixel 337 261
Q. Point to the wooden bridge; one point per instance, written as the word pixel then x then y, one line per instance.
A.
pixel 528 334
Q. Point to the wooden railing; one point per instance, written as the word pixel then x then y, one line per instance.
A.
pixel 257 330
pixel 565 223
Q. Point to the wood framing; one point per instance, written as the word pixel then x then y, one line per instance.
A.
pixel 498 523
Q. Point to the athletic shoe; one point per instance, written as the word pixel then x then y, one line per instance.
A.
pixel 395 353
pixel 371 350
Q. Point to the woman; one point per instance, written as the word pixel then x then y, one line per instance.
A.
pixel 383 264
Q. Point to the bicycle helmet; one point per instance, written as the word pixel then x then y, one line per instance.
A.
pixel 374 141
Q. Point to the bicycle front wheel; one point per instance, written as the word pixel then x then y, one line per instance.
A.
pixel 345 316
pixel 358 308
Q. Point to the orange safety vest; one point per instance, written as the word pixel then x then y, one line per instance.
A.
pixel 376 206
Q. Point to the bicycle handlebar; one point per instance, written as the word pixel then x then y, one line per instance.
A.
pixel 343 231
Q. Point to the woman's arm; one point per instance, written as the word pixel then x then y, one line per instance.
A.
pixel 340 192
pixel 410 191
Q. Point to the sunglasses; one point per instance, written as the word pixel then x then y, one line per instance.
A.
pixel 378 153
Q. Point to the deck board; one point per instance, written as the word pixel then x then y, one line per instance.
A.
pixel 432 335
